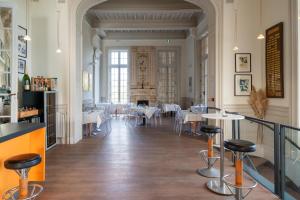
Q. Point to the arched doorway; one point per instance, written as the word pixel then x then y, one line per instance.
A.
pixel 78 8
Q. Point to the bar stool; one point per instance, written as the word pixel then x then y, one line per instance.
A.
pixel 22 164
pixel 239 148
pixel 209 156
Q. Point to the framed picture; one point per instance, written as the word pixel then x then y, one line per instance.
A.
pixel 22 44
pixel 242 62
pixel 21 66
pixel 242 84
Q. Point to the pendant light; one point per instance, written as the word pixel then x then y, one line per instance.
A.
pixel 27 37
pixel 260 35
pixel 235 48
pixel 58 50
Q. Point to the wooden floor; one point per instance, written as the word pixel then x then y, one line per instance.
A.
pixel 131 164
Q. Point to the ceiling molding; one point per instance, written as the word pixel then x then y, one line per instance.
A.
pixel 138 35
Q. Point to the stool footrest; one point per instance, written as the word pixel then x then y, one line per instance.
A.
pixel 204 156
pixel 249 187
pixel 33 192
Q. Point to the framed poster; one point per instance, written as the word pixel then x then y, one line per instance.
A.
pixel 274 61
pixel 242 84
pixel 242 62
pixel 21 66
pixel 22 44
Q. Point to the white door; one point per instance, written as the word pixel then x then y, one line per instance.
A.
pixel 8 65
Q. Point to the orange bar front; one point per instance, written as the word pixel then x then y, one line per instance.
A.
pixel 32 142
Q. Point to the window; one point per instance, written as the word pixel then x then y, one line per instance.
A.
pixel 118 61
pixel 204 70
pixel 167 76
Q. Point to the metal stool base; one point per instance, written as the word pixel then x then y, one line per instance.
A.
pixel 33 192
pixel 215 186
pixel 209 172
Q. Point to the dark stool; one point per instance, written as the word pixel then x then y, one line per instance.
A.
pixel 208 156
pixel 22 164
pixel 240 148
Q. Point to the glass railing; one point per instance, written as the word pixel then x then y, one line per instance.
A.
pixel 276 162
pixel 290 161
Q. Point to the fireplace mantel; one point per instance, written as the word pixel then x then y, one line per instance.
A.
pixel 143 94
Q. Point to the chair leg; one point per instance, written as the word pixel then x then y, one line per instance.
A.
pixel 180 128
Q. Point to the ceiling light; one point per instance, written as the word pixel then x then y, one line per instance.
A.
pixel 260 36
pixel 58 50
pixel 235 48
pixel 27 38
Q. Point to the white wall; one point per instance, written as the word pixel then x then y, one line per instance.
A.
pixel 190 65
pixel 275 11
pixel 87 57
pixel 45 61
pixel 248 23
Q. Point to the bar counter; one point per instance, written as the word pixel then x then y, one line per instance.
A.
pixel 21 138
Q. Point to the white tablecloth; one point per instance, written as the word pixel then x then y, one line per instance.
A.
pixel 93 117
pixel 170 107
pixel 191 117
pixel 148 111
pixel 222 117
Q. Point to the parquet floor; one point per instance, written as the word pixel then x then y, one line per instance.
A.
pixel 132 163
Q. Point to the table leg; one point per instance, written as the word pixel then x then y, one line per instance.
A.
pixel 218 186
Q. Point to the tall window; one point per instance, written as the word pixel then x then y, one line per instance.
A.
pixel 167 76
pixel 204 69
pixel 118 61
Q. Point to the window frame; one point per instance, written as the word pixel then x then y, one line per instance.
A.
pixel 119 66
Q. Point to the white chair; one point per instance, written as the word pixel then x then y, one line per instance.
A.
pixel 179 119
pixel 157 116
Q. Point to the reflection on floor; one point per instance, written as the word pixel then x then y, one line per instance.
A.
pixel 132 163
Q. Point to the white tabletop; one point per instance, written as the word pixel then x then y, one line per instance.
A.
pixel 191 117
pixel 222 117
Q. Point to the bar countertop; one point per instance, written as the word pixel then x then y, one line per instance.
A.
pixel 12 130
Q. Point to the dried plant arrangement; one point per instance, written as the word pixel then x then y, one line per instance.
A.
pixel 259 103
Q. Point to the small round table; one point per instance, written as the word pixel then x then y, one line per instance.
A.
pixel 218 186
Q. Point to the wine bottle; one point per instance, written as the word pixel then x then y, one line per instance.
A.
pixel 26 82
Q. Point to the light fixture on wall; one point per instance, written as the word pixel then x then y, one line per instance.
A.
pixel 27 37
pixel 58 50
pixel 260 35
pixel 235 48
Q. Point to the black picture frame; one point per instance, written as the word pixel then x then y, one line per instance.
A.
pixel 22 44
pixel 21 66
pixel 238 62
pixel 236 87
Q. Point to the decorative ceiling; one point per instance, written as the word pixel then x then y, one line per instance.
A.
pixel 118 17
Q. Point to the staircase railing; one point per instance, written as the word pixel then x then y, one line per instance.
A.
pixel 277 162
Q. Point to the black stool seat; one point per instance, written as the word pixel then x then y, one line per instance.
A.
pixel 240 146
pixel 209 129
pixel 23 161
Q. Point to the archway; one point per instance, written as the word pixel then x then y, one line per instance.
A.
pixel 78 8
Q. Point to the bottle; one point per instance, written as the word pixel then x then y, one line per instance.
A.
pixel 26 82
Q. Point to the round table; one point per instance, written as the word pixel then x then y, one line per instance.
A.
pixel 218 186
